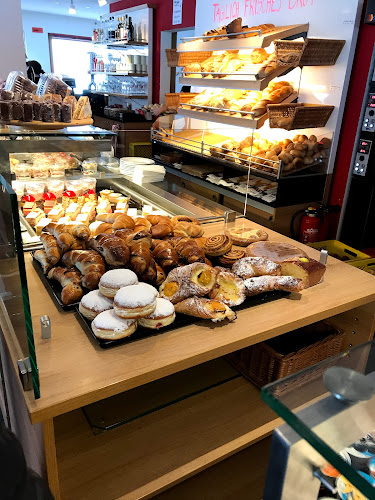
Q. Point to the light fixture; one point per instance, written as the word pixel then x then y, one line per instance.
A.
pixel 72 9
pixel 102 3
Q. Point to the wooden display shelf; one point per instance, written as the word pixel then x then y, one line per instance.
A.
pixel 217 117
pixel 75 372
pixel 148 455
pixel 253 42
pixel 234 81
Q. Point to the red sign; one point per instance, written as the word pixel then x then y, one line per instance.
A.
pixel 37 30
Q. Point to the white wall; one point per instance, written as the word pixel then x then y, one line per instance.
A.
pixel 37 46
pixel 12 54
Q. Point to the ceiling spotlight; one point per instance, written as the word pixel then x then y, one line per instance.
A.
pixel 102 3
pixel 72 9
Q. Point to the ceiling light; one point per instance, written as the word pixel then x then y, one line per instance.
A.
pixel 72 9
pixel 102 3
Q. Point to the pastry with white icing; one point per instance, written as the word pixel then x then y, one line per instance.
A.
pixel 135 301
pixel 111 281
pixel 108 326
pixel 163 315
pixel 94 303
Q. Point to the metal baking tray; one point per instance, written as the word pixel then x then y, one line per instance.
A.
pixel 53 287
pixel 180 321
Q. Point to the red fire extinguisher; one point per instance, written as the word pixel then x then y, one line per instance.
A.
pixel 309 231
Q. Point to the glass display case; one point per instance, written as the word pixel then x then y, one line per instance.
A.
pixel 329 449
pixel 63 176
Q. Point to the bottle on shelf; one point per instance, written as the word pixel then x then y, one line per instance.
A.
pixel 124 33
pixel 95 36
pixel 130 30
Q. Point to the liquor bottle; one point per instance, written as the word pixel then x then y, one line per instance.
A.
pixel 123 32
pixel 130 30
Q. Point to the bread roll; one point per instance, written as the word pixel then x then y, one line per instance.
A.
pixel 257 56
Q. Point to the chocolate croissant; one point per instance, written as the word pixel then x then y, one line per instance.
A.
pixel 114 250
pixel 140 255
pixel 188 249
pixel 51 248
pixel 70 282
pixel 89 263
pixel 164 253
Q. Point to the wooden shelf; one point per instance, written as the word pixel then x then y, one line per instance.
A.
pixel 148 455
pixel 237 121
pixel 253 42
pixel 234 81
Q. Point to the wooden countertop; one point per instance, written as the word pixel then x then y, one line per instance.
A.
pixel 74 371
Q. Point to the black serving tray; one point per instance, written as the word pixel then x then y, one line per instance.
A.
pixel 180 321
pixel 53 287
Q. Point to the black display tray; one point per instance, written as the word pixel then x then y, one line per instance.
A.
pixel 180 321
pixel 53 287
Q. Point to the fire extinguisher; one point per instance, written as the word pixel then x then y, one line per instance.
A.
pixel 314 223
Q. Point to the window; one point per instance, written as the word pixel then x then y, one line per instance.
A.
pixel 70 57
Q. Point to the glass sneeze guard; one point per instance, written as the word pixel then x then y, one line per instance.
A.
pixel 337 422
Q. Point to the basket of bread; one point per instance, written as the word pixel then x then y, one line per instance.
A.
pixel 298 115
pixel 289 52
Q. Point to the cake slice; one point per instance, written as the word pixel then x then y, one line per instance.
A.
pixel 310 271
pixel 83 109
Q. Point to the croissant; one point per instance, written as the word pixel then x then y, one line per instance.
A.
pixel 64 235
pixel 118 220
pixel 160 275
pixel 114 249
pixel 161 230
pixel 51 248
pixel 164 253
pixel 141 235
pixel 149 276
pixel 41 257
pixel 124 234
pixel 200 307
pixel 140 256
pixel 69 280
pixel 188 229
pixel 89 263
pixel 78 230
pixel 157 219
pixel 189 250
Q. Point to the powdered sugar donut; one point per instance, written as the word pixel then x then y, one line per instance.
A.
pixel 107 325
pixel 135 301
pixel 163 315
pixel 111 281
pixel 93 304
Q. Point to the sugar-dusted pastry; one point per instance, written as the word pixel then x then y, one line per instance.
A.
pixel 73 210
pixel 250 267
pixel 108 326
pixel 34 217
pixel 244 236
pixel 217 245
pixel 135 301
pixel 93 303
pixel 310 271
pixel 111 281
pixel 278 252
pixel 163 315
pixel 183 282
pixel 56 213
pixel 200 307
pixel 262 284
pixel 229 258
pixel 228 288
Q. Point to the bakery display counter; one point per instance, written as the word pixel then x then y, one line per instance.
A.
pixel 71 367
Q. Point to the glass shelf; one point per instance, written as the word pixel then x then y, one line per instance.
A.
pixel 13 131
pixel 327 422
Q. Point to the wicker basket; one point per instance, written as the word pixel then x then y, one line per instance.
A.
pixel 173 100
pixel 276 358
pixel 321 52
pixel 172 57
pixel 296 116
pixel 288 52
pixel 193 57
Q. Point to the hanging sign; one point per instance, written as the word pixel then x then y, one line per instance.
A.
pixel 37 30
pixel 177 12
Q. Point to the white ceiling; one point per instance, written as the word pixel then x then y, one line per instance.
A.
pixel 85 8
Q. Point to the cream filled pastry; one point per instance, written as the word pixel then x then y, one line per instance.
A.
pixel 163 315
pixel 228 289
pixel 107 325
pixel 93 303
pixel 111 281
pixel 135 301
